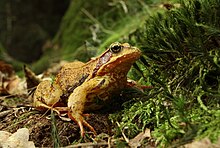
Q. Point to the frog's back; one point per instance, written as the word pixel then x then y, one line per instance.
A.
pixel 72 75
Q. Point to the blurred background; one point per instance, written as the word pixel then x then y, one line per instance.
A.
pixel 41 32
pixel 26 26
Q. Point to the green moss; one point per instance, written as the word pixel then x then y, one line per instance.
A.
pixel 181 61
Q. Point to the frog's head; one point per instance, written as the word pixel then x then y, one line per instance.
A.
pixel 118 58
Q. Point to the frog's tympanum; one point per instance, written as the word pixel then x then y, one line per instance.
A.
pixel 81 87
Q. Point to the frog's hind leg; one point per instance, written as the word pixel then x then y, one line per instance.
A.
pixel 42 106
pixel 79 119
pixel 79 100
pixel 46 96
pixel 76 104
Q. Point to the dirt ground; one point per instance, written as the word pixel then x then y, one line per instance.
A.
pixel 39 125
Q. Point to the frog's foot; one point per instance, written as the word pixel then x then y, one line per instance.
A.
pixel 79 119
pixel 43 106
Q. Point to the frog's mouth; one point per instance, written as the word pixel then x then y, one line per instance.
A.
pixel 127 58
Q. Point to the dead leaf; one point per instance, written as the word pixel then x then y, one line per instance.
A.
pixel 31 79
pixel 10 83
pixel 6 77
pixel 136 141
pixel 6 69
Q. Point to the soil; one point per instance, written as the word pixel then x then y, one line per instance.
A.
pixel 40 125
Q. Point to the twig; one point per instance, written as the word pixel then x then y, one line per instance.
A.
pixel 123 134
pixel 4 113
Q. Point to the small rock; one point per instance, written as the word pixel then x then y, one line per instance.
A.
pixel 4 136
pixel 17 140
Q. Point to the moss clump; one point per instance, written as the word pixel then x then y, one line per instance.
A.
pixel 181 60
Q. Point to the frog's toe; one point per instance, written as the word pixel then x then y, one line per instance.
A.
pixel 81 122
pixel 89 126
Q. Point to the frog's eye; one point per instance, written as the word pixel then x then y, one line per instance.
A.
pixel 115 48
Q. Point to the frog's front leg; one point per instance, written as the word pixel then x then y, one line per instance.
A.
pixel 82 95
pixel 46 96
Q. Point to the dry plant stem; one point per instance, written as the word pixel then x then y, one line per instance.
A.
pixel 123 134
pixel 4 113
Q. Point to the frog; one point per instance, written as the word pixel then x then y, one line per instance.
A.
pixel 82 87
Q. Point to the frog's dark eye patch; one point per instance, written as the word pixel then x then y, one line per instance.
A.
pixel 115 48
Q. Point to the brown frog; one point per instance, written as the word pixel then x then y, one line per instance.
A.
pixel 87 86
